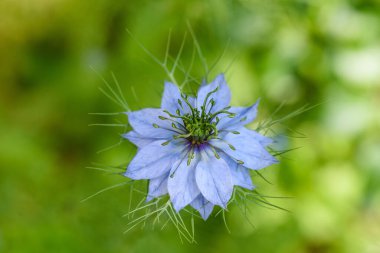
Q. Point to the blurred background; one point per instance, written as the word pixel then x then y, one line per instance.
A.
pixel 324 53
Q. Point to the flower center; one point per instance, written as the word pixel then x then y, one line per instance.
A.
pixel 200 129
pixel 197 126
pixel 200 124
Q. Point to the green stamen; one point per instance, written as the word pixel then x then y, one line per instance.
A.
pixel 208 95
pixel 190 156
pixel 165 143
pixel 199 125
pixel 180 103
pixel 215 153
pixel 243 119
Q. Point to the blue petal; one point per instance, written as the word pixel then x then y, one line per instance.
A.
pixel 214 180
pixel 137 139
pixel 203 206
pixel 263 140
pixel 181 185
pixel 153 161
pixel 222 97
pixel 142 122
pixel 247 150
pixel 243 116
pixel 158 187
pixel 239 174
pixel 170 100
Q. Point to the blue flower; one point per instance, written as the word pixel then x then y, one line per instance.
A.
pixel 196 149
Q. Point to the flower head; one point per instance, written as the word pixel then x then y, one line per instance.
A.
pixel 196 149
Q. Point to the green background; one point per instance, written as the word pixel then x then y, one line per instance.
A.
pixel 324 53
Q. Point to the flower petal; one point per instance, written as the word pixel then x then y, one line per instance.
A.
pixel 245 149
pixel 263 140
pixel 203 206
pixel 157 187
pixel 214 180
pixel 170 99
pixel 137 139
pixel 221 97
pixel 153 161
pixel 181 184
pixel 243 116
pixel 239 174
pixel 143 123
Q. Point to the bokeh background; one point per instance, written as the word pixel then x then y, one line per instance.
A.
pixel 324 53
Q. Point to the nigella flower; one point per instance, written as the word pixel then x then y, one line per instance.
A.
pixel 196 149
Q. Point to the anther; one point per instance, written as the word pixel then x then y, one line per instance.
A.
pixel 215 153
pixel 156 126
pixel 212 102
pixel 190 157
pixel 165 143
pixel 243 119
